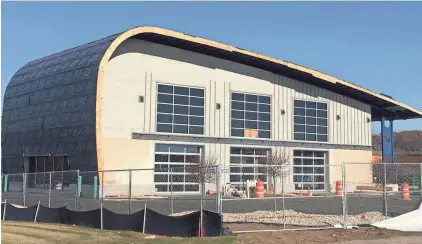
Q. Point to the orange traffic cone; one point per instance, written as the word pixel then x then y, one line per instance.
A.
pixel 309 191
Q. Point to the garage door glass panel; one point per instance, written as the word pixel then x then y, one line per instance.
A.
pixel 245 165
pixel 309 169
pixel 171 161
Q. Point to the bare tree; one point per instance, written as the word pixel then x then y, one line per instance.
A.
pixel 202 169
pixel 277 165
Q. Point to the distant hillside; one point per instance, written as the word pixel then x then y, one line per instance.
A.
pixel 404 141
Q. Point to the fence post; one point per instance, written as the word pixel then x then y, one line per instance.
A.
pixel 36 213
pixel 344 200
pixel 284 206
pixel 420 179
pixel 6 182
pixel 130 190
pixel 95 187
pixel 24 189
pixel 218 171
pixel 385 191
pixel 201 221
pixel 102 185
pixel 101 215
pixel 171 191
pixel 78 190
pixel 145 217
pixel 49 193
pixel 4 210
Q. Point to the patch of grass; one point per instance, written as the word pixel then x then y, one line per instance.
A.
pixel 26 232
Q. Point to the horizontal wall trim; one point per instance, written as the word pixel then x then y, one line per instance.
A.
pixel 245 141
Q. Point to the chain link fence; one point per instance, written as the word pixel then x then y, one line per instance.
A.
pixel 303 195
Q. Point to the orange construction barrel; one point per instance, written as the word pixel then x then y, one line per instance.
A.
pixel 259 189
pixel 339 188
pixel 405 192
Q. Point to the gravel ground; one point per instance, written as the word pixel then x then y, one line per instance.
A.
pixel 297 219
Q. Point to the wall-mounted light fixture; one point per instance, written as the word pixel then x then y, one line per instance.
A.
pixel 218 106
pixel 338 117
pixel 140 99
pixel 283 112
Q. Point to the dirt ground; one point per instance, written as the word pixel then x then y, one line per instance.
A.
pixel 24 232
pixel 350 236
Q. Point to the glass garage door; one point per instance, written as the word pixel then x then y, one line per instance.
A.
pixel 309 169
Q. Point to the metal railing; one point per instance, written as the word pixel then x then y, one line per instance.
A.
pixel 304 196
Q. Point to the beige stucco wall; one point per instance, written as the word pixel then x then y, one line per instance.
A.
pixel 136 68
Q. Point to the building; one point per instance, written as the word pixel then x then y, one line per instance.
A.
pixel 150 97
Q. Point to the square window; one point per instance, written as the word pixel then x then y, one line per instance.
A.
pixel 264 117
pixel 238 114
pixel 322 138
pixel 196 111
pixel 264 108
pixel 251 115
pixel 299 128
pixel 195 101
pixel 238 123
pixel 251 124
pixel 165 89
pixel 264 99
pixel 165 98
pixel 310 121
pixel 264 134
pixel 299 103
pixel 310 104
pixel 164 108
pixel 311 112
pixel 164 128
pixel 251 107
pixel 251 98
pixel 238 105
pixel 322 106
pixel 183 129
pixel 299 136
pixel 237 132
pixel 322 122
pixel 179 109
pixel 322 114
pixel 299 120
pixel 197 130
pixel 310 129
pixel 321 130
pixel 299 111
pixel 264 125
pixel 197 92
pixel 181 100
pixel 165 118
pixel 181 90
pixel 310 137
pixel 180 119
pixel 193 120
pixel 238 96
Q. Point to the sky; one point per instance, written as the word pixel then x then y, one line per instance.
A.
pixel 373 44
